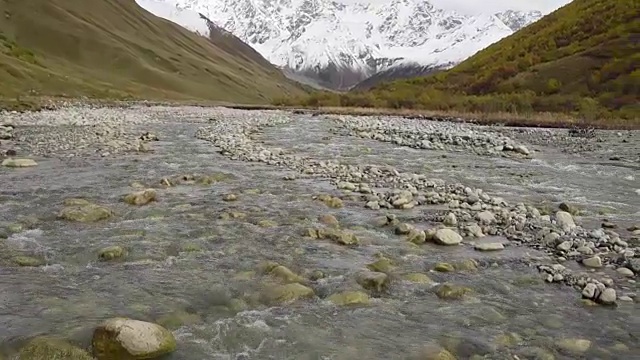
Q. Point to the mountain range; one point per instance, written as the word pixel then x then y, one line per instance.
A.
pixel 116 49
pixel 339 43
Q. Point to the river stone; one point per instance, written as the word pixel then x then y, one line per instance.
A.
pixel 607 297
pixel 121 338
pixel 574 346
pixel 403 229
pixel 374 281
pixel 565 246
pixel 433 351
pixel 475 230
pixel 625 272
pixel 85 213
pixel 283 273
pixel 283 294
pixel 493 246
pixel 565 221
pixel 486 217
pixel 451 291
pixel 450 219
pixel 568 208
pixel 110 253
pixel 344 185
pixel 589 291
pixel 267 224
pixel 447 237
pixel 28 261
pixel 349 298
pixel 444 267
pixel 178 319
pixel 329 220
pixel 417 237
pixel 593 262
pixel 19 163
pixel 418 278
pixel 42 348
pixel 382 265
pixel 140 198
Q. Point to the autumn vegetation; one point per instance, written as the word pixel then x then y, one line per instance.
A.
pixel 582 61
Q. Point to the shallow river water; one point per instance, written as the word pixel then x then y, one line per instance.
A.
pixel 193 269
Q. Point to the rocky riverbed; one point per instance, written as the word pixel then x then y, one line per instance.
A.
pixel 231 234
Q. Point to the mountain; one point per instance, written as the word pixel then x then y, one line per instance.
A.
pixel 116 49
pixel 581 59
pixel 401 71
pixel 339 43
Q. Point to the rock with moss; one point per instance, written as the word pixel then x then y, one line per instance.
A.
pixel 28 261
pixel 79 210
pixel 178 319
pixel 444 267
pixel 433 351
pixel 373 281
pixel 338 236
pixel 122 338
pixel 284 274
pixel 267 223
pixel 142 197
pixel 449 291
pixel 49 348
pixel 18 163
pixel 417 237
pixel 466 265
pixel 111 253
pixel 330 201
pixel 230 197
pixel 418 278
pixel 382 265
pixel 284 294
pixel 349 298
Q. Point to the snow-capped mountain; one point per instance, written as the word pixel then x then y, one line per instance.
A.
pixel 342 42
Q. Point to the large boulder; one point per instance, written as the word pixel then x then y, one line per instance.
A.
pixel 19 163
pixel 81 210
pixel 128 339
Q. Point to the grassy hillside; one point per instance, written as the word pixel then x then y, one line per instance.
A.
pixel 583 59
pixel 115 49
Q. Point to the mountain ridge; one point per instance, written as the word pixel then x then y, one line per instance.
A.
pixel 116 49
pixel 339 43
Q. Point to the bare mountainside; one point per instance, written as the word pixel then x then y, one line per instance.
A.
pixel 116 49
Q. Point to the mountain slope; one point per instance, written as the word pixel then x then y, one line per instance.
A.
pixel 342 42
pixel 584 58
pixel 116 49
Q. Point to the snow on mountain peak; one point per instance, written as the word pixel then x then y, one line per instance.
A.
pixel 341 42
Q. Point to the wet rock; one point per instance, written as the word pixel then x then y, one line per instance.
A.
pixel 466 265
pixel 573 345
pixel 417 237
pixel 418 278
pixel 625 272
pixel 140 198
pixel 565 221
pixel 444 267
pixel 48 348
pixel 329 220
pixel 344 185
pixel 284 294
pixel 493 246
pixel 349 298
pixel 593 262
pixel 19 163
pixel 373 205
pixel 28 261
pixel 283 273
pixel 230 197
pixel 267 223
pixel 449 291
pixel 607 297
pixel 121 338
pixel 447 237
pixel 373 281
pixel 331 201
pixel 566 207
pixel 382 265
pixel 450 220
pixel 486 217
pixel 589 291
pixel 475 230
pixel 565 246
pixel 338 236
pixel 178 319
pixel 433 351
pixel 111 253
pixel 403 229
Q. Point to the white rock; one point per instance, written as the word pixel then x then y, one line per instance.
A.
pixel 447 237
pixel 121 337
pixel 608 296
pixel 593 262
pixel 625 272
pixel 486 217
pixel 589 291
pixel 565 221
pixel 18 163
pixel 494 246
pixel 450 219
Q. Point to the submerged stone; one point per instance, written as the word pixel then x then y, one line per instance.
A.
pixel 140 198
pixel 451 291
pixel 382 265
pixel 349 298
pixel 47 348
pixel 282 294
pixel 178 319
pixel 111 253
pixel 85 212
pixel 418 278
pixel 374 281
pixel 28 261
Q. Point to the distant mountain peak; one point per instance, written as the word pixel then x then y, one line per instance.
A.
pixel 342 42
